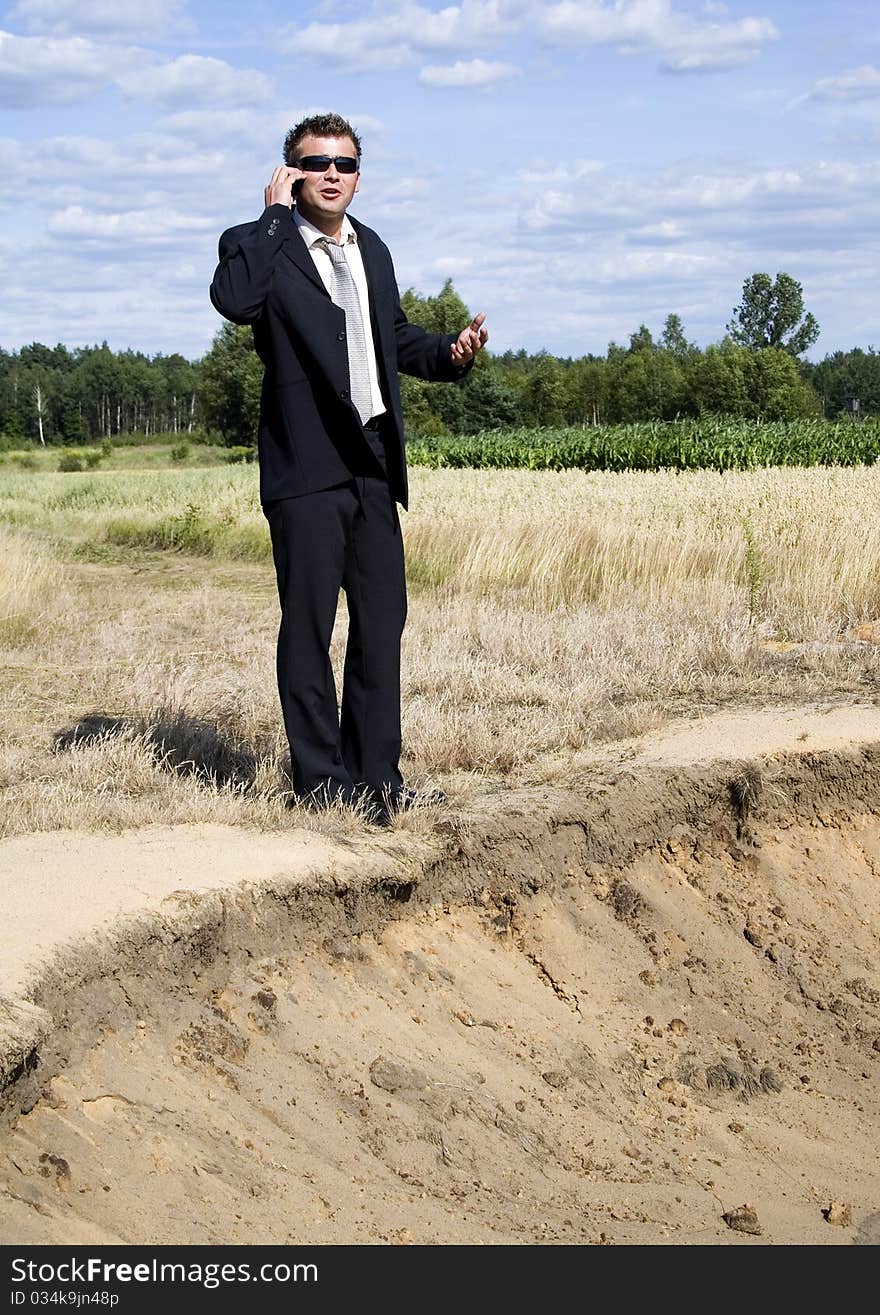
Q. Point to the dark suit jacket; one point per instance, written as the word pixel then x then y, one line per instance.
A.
pixel 310 435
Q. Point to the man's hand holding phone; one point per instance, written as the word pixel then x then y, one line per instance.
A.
pixel 283 186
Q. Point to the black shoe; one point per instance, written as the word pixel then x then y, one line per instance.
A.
pixel 404 800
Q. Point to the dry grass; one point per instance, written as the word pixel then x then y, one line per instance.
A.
pixel 29 583
pixel 796 549
pixel 549 613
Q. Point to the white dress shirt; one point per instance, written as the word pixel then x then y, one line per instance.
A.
pixel 324 265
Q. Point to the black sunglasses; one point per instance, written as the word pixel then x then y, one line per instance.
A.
pixel 319 164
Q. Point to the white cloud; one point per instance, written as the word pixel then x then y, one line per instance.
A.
pixel 856 84
pixel 665 230
pixel 133 173
pixel 57 70
pixel 46 70
pixel 450 266
pixel 654 266
pixel 196 80
pixel 155 227
pixel 124 19
pixel 467 73
pixel 683 207
pixel 226 128
pixel 129 292
pixel 399 33
pixel 396 34
pixel 684 43
pixel 538 174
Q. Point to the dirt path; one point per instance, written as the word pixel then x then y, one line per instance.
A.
pixel 613 1013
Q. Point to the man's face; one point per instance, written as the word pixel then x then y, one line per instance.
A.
pixel 326 195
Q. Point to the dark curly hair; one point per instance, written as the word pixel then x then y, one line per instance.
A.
pixel 319 125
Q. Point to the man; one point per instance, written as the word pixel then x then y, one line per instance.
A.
pixel 320 291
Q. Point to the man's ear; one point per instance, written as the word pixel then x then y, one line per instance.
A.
pixel 357 186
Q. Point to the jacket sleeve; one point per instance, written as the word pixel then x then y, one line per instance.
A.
pixel 426 355
pixel 247 257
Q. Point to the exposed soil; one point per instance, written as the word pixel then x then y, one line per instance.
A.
pixel 644 1009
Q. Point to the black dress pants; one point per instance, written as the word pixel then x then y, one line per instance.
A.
pixel 344 537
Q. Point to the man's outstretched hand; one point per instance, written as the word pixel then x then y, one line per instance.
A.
pixel 470 340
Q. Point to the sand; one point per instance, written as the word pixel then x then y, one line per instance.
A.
pixel 617 1012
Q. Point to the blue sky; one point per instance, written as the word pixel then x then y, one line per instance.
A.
pixel 578 167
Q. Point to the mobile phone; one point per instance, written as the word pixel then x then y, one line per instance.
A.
pixel 296 189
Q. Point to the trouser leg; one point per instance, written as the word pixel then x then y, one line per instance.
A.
pixel 309 536
pixel 375 588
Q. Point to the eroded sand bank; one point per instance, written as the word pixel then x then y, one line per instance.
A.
pixel 612 1013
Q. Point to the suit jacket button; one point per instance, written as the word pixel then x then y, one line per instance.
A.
pixel 344 393
pixel 340 337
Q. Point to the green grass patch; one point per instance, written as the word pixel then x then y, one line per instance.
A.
pixel 155 455
pixel 194 530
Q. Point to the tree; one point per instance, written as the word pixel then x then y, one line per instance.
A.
pixel 434 409
pixel 771 314
pixel 40 405
pixel 487 401
pixel 845 375
pixel 419 416
pixel 646 385
pixel 180 394
pixel 70 405
pixel 718 382
pixel 36 387
pixel 102 375
pixel 641 340
pixel 775 385
pixel 587 387
pixel 230 382
pixel 673 340
pixel 445 313
pixel 544 394
pixel 760 385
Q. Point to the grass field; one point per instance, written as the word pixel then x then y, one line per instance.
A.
pixel 550 612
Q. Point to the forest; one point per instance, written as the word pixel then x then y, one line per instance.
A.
pixel 71 396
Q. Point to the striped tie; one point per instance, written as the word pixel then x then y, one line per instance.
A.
pixel 345 295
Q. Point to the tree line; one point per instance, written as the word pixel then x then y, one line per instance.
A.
pixel 84 394
pixel 59 395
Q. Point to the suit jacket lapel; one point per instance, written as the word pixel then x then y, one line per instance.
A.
pixel 297 251
pixel 368 256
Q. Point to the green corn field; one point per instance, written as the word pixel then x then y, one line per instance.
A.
pixel 712 443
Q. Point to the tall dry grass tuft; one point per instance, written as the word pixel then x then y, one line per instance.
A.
pixel 29 584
